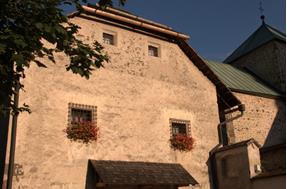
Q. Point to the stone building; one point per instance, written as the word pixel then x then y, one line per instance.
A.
pixel 255 73
pixel 154 88
pixel 263 54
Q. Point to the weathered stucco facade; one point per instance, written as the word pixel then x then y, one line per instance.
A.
pixel 135 95
pixel 264 120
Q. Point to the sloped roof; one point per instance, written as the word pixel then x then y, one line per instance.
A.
pixel 262 35
pixel 241 81
pixel 141 173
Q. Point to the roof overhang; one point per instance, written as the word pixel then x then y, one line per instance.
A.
pixel 222 90
pixel 130 19
pixel 127 173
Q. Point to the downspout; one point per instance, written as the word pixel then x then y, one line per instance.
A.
pixel 212 160
pixel 13 138
pixel 241 109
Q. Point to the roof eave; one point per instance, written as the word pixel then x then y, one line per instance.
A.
pixel 136 21
pixel 256 93
pixel 222 89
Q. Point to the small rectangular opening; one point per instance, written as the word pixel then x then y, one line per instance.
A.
pixel 108 39
pixel 79 115
pixel 153 51
pixel 179 128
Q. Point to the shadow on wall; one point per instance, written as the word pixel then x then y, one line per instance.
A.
pixel 211 164
pixel 277 132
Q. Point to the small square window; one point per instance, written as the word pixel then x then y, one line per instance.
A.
pixel 179 127
pixel 108 39
pixel 153 51
pixel 180 138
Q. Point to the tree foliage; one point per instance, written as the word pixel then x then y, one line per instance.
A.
pixel 25 25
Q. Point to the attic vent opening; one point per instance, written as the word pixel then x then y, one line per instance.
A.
pixel 153 51
pixel 179 127
pixel 109 39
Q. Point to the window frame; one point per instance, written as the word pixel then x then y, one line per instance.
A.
pixel 110 33
pixel 155 46
pixel 179 121
pixel 92 109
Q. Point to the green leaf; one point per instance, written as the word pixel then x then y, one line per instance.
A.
pixel 23 26
pixel 19 59
pixel 20 43
pixel 2 48
pixel 39 26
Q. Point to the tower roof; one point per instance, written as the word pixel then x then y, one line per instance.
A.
pixel 262 35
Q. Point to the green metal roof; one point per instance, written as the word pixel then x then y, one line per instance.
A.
pixel 241 81
pixel 262 35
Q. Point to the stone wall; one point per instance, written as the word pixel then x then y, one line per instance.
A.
pixel 274 158
pixel 235 165
pixel 278 182
pixel 268 62
pixel 264 120
pixel 240 166
pixel 135 96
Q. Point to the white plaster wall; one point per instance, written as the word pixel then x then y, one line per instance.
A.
pixel 135 96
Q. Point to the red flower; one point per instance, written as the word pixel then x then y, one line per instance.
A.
pixel 83 131
pixel 182 142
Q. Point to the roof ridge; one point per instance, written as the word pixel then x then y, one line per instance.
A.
pixel 259 37
pixel 275 29
pixel 242 43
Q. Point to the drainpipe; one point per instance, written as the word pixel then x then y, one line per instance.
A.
pixel 13 139
pixel 241 108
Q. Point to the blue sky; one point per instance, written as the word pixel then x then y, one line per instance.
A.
pixel 216 27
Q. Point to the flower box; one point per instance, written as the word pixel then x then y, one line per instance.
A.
pixel 182 142
pixel 82 131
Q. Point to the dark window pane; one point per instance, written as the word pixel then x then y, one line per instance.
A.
pixel 81 115
pixel 178 128
pixel 108 39
pixel 152 51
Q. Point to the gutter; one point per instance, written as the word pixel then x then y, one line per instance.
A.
pixel 129 15
pixel 241 109
pixel 136 22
